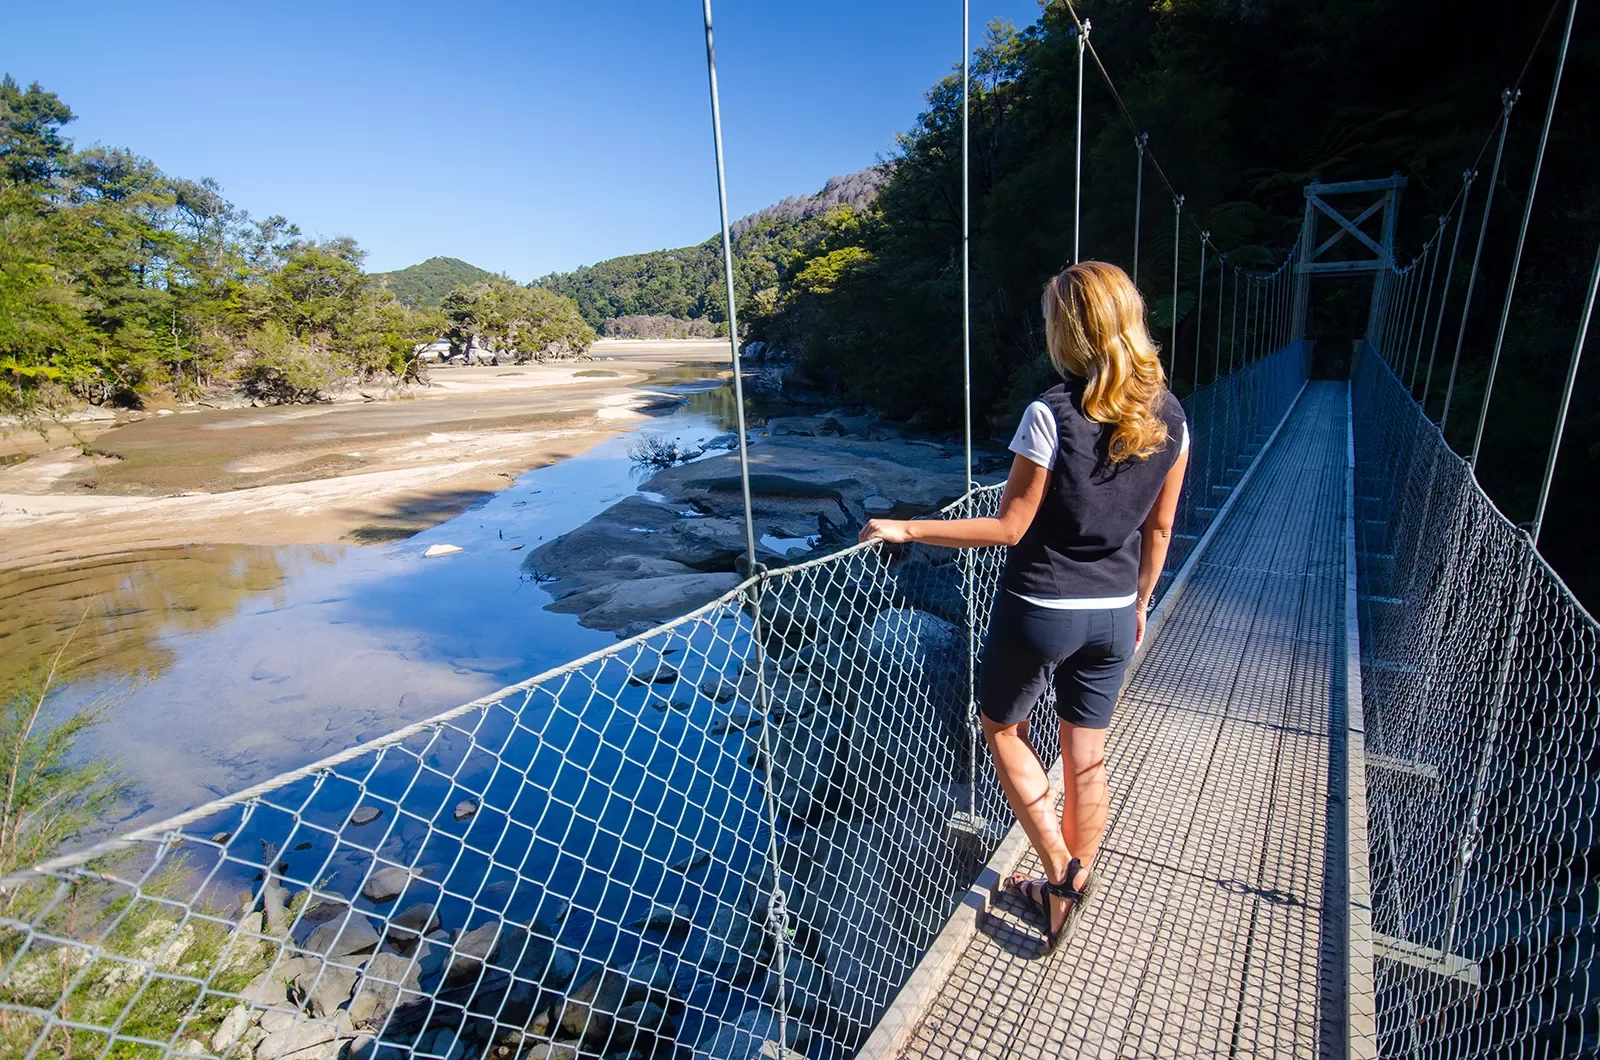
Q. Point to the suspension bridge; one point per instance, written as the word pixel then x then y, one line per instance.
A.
pixel 1353 784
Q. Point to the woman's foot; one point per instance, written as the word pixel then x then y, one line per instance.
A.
pixel 1055 908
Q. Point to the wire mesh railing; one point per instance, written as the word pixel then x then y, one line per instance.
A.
pixel 1483 755
pixel 740 829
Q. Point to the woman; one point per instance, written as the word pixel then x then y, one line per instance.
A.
pixel 1086 517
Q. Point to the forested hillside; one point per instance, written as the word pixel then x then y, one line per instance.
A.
pixel 687 283
pixel 1244 104
pixel 425 286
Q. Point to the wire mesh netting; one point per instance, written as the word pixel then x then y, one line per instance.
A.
pixel 1483 755
pixel 732 834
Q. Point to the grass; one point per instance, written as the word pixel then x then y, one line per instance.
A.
pixel 175 953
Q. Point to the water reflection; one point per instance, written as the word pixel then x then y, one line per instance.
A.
pixel 118 610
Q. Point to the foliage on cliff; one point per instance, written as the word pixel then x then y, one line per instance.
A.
pixel 118 281
pixel 687 283
pixel 1244 103
pixel 425 285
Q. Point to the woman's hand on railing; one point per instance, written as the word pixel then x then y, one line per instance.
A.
pixel 894 531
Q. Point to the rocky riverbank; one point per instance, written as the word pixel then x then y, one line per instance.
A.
pixel 814 482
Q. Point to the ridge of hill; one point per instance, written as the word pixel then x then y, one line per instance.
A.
pixel 685 283
pixel 424 285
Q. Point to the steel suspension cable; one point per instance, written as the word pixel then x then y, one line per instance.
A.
pixel 1522 234
pixel 777 910
pixel 1508 99
pixel 1199 309
pixel 1222 284
pixel 1177 232
pixel 1467 177
pixel 1077 143
pixel 1140 142
pixel 1233 329
pixel 1566 400
pixel 966 374
pixel 1427 305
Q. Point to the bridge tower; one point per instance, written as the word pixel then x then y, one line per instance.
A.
pixel 1386 207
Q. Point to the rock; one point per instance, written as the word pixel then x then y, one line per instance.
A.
pixel 323 909
pixel 877 504
pixel 472 950
pixel 692 862
pixel 805 986
pixel 221 837
pixel 552 911
pixel 719 689
pixel 188 1047
pixel 342 938
pixel 650 974
pixel 386 885
pixel 365 815
pixel 325 988
pixel 744 1040
pixel 277 1020
pixel 652 673
pixel 270 988
pixel 229 1030
pixel 739 721
pixel 587 1015
pixel 551 1051
pixel 831 426
pixel 441 550
pixel 419 918
pixel 563 967
pixel 664 918
pixel 890 746
pixel 680 705
pixel 387 982
pixel 639 1023
pixel 465 809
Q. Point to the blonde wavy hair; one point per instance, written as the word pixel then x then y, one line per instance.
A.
pixel 1094 326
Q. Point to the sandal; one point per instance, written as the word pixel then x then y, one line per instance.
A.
pixel 1022 885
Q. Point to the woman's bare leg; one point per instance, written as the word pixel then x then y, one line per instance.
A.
pixel 1027 788
pixel 1085 799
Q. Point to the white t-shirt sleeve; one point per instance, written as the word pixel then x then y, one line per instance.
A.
pixel 1036 436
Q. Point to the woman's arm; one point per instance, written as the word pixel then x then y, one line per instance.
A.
pixel 1018 505
pixel 1156 536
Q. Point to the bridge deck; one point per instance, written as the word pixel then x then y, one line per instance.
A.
pixel 1208 936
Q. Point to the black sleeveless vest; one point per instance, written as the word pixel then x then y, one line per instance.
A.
pixel 1085 539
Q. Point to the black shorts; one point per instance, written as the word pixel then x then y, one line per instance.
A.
pixel 1086 652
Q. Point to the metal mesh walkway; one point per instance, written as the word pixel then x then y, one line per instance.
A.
pixel 1208 935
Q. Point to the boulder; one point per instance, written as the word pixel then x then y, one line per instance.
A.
pixel 419 918
pixel 746 1038
pixel 365 815
pixel 639 1024
pixel 326 988
pixel 465 809
pixel 588 1013
pixel 230 1029
pixel 652 671
pixel 387 982
pixel 673 921
pixel 719 689
pixel 472 950
pixel 344 937
pixel 692 862
pixel 386 885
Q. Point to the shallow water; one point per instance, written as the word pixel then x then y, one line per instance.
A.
pixel 230 664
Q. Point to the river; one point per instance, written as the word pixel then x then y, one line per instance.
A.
pixel 224 665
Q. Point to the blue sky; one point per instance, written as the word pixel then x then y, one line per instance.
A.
pixel 523 137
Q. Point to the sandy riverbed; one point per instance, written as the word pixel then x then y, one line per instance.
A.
pixel 363 471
